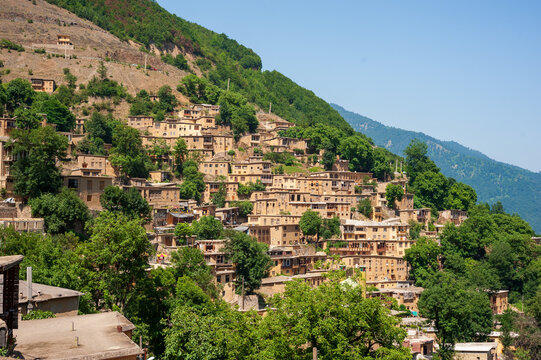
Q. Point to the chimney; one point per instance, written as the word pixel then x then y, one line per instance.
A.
pixel 29 289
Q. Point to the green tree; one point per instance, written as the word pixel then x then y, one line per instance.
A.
pixel 193 184
pixel 417 160
pixel 199 90
pixel 431 189
pixel 364 206
pixel 57 113
pixel 329 228
pixel 70 78
pixel 183 231
pixel 218 198
pixel 415 229
pixel 497 208
pixel 251 261
pixel 142 104
pixel 128 202
pixel 533 306
pixel 114 259
pixel 461 197
pixel 100 127
pixel 423 259
pixel 358 151
pixel 62 212
pixel 328 160
pixel 127 153
pixel 235 112
pixel 459 314
pixel 3 96
pixel 19 92
pixel 180 151
pixel 245 207
pixel 528 342
pixel 102 71
pixel 168 101
pixel 310 224
pixel 205 329
pixel 36 153
pixel 190 262
pixel 393 192
pixel 207 228
pixel 246 190
pixel 27 118
pixel 334 318
pixel 472 237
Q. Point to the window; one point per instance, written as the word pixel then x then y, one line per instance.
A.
pixel 89 198
pixel 73 183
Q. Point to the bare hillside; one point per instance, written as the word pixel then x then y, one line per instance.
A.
pixel 33 25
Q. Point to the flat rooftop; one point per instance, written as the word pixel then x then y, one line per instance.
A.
pixel 42 292
pixel 101 336
pixel 7 262
pixel 482 347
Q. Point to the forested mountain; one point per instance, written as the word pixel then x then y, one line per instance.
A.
pixel 518 189
pixel 220 59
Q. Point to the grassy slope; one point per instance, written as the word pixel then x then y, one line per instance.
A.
pixel 518 189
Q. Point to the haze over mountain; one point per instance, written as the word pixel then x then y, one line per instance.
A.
pixel 518 189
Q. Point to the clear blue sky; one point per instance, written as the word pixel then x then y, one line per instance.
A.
pixel 468 71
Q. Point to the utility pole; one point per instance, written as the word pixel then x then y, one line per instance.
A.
pixel 228 90
pixel 270 107
pixel 145 63
pixel 29 296
pixel 314 353
pixel 243 293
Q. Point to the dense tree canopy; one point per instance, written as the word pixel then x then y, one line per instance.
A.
pixel 393 192
pixel 114 259
pixel 62 212
pixel 250 259
pixel 36 152
pixel 459 313
pixel 207 228
pixel 128 154
pixel 128 202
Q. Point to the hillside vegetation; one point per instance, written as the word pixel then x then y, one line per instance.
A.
pixel 221 59
pixel 519 190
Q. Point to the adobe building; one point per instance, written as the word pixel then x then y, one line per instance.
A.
pixel 476 351
pixel 409 297
pixel 89 187
pixel 43 85
pixel 499 302
pixel 104 335
pixel 9 299
pixel 294 261
pixel 59 301
pixel 214 168
pixel 456 217
pixel 24 224
pixel 64 41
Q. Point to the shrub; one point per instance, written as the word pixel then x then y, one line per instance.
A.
pixel 38 314
pixel 6 44
pixel 39 51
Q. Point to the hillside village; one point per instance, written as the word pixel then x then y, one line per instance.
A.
pixel 179 178
pixel 373 243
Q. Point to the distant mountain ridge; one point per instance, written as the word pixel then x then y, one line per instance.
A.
pixel 518 189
